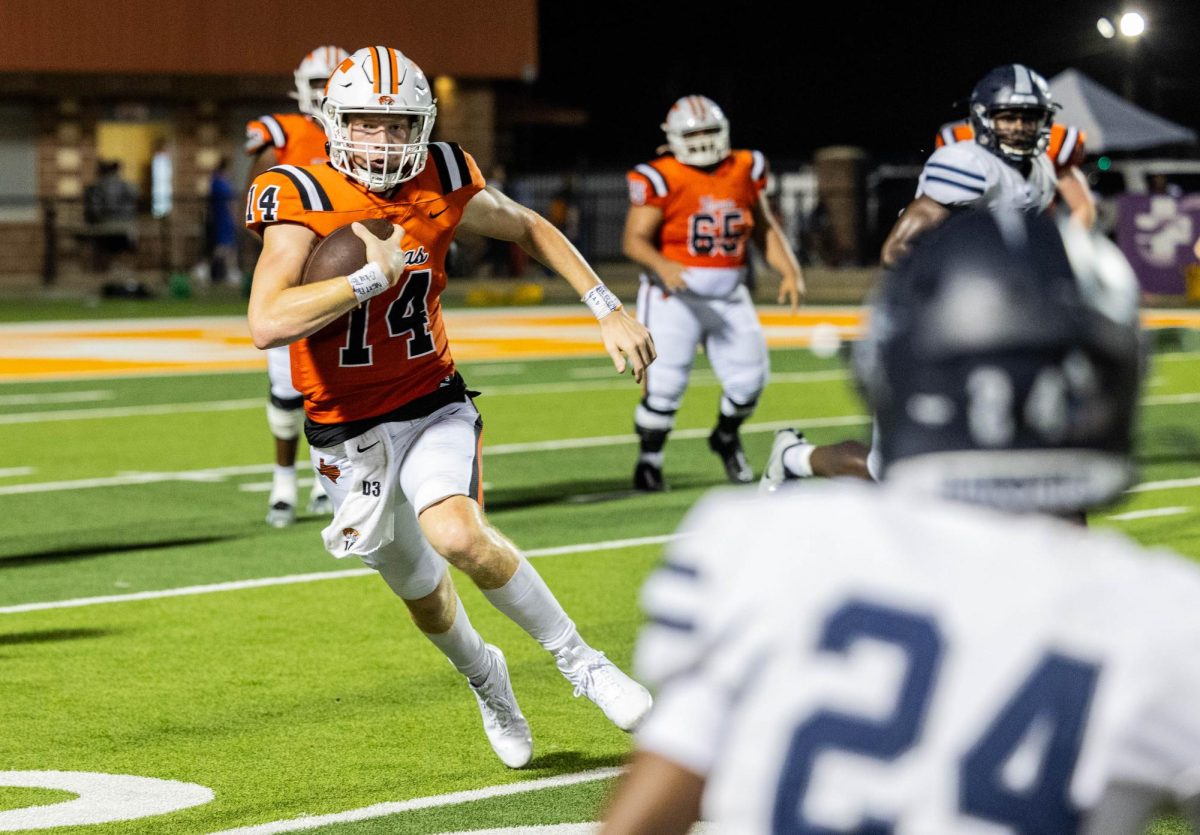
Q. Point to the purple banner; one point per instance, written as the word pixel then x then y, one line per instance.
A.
pixel 1156 233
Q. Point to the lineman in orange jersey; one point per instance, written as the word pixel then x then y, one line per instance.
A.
pixel 291 139
pixel 1066 150
pixel 392 427
pixel 692 212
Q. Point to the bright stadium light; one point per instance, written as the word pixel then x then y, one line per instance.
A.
pixel 1105 27
pixel 1133 25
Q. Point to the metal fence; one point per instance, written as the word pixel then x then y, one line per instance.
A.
pixel 590 209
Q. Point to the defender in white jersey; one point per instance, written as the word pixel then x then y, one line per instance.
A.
pixel 928 656
pixel 1006 167
pixel 1011 112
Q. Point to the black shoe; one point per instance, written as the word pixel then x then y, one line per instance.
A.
pixel 648 478
pixel 729 448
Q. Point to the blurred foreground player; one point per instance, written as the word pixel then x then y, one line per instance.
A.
pixel 291 139
pixel 392 427
pixel 1004 168
pixel 932 655
pixel 691 214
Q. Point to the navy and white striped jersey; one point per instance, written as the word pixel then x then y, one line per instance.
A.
pixel 967 174
pixel 844 658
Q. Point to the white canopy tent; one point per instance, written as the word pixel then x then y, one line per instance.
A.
pixel 1110 122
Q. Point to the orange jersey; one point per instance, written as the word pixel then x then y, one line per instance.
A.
pixel 1066 148
pixel 391 349
pixel 707 214
pixel 297 139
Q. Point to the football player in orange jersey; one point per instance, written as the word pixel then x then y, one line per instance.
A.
pixel 692 212
pixel 291 139
pixel 1066 150
pixel 393 430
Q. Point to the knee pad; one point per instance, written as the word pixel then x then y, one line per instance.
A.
pixel 742 387
pixel 649 416
pixel 285 424
pixel 665 386
pixel 735 409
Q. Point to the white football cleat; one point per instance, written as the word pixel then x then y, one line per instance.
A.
pixel 623 700
pixel 319 502
pixel 775 473
pixel 281 514
pixel 506 728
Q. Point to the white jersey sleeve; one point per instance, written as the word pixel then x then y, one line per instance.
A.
pixel 688 606
pixel 955 176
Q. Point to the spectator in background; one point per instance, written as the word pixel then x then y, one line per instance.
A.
pixel 161 180
pixel 1161 186
pixel 110 210
pixel 222 230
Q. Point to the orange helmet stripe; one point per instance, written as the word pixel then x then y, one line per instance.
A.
pixel 395 71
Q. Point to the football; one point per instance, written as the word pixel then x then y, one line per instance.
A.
pixel 341 252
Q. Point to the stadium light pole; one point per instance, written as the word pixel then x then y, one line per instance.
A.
pixel 1132 27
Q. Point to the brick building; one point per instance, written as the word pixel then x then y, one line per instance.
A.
pixel 82 82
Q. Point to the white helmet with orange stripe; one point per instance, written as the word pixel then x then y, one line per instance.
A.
pixel 314 70
pixel 379 84
pixel 697 131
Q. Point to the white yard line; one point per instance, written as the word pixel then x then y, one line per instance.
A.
pixel 55 397
pixel 380 810
pixel 313 577
pixel 1171 399
pixel 210 475
pixel 13 472
pixel 678 434
pixel 135 411
pixel 1176 356
pixel 619 384
pixel 700 378
pixel 1169 484
pixel 1149 514
pixel 220 473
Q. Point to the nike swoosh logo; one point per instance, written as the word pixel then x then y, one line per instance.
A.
pixel 432 215
pixel 365 448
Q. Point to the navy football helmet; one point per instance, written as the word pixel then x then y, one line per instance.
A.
pixel 1012 87
pixel 1003 363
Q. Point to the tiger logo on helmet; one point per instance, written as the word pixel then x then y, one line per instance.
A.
pixel 378 81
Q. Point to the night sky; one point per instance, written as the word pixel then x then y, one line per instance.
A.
pixel 880 76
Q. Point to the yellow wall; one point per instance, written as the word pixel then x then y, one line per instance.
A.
pixel 132 144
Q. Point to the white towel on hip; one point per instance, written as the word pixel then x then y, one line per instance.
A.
pixel 365 523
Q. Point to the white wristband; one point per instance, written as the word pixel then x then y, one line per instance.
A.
pixel 601 300
pixel 368 281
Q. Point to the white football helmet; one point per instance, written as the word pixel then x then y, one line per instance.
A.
pixel 697 131
pixel 378 81
pixel 316 67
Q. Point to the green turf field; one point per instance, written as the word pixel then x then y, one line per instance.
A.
pixel 317 697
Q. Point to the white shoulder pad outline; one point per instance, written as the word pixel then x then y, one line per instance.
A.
pixel 312 194
pixel 758 169
pixel 657 180
pixel 451 163
pixel 954 175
